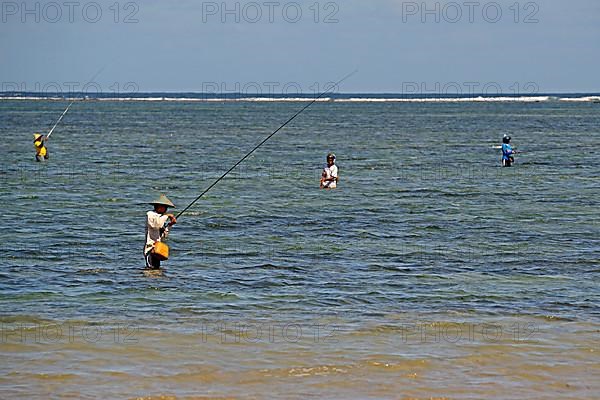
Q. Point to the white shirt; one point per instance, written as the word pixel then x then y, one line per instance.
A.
pixel 154 223
pixel 330 172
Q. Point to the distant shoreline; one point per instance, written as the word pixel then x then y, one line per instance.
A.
pixel 334 97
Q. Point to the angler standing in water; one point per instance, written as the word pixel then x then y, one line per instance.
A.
pixel 41 152
pixel 508 158
pixel 39 141
pixel 158 223
pixel 329 177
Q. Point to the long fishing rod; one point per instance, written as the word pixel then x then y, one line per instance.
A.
pixel 59 119
pixel 261 143
pixel 71 103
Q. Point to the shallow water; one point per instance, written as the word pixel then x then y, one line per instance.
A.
pixel 430 272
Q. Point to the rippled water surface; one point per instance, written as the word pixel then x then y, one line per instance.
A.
pixel 430 272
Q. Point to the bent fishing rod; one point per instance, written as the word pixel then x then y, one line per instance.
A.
pixel 71 103
pixel 263 142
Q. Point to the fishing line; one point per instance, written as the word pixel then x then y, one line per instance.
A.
pixel 263 142
pixel 71 103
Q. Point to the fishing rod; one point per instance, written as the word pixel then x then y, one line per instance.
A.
pixel 59 119
pixel 263 142
pixel 71 103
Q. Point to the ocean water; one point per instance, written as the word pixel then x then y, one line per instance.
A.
pixel 431 272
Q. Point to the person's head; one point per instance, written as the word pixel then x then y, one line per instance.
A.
pixel 160 208
pixel 506 139
pixel 37 137
pixel 161 204
pixel 330 159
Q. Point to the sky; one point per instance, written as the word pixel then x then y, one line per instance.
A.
pixel 284 46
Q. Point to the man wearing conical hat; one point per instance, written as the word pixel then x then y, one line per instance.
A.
pixel 158 223
pixel 41 152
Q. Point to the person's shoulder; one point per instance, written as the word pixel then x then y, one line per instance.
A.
pixel 151 214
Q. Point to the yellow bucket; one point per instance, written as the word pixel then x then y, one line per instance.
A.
pixel 161 251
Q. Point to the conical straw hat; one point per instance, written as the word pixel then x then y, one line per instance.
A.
pixel 163 200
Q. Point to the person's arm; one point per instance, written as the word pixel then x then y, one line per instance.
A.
pixel 324 175
pixel 172 219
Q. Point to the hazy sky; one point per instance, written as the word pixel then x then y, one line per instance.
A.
pixel 272 46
